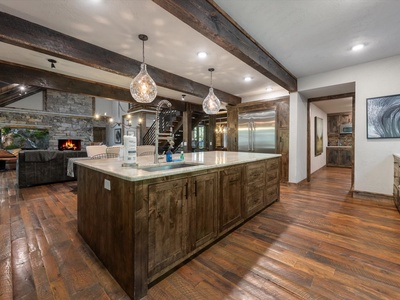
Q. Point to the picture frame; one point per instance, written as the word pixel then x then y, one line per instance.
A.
pixel 383 115
pixel 117 136
pixel 318 136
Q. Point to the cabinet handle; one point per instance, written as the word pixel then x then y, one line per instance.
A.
pixel 195 188
pixel 187 187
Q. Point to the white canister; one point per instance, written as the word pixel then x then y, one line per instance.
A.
pixel 129 149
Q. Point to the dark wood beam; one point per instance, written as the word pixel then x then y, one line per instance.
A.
pixel 50 80
pixel 208 19
pixel 8 88
pixel 25 34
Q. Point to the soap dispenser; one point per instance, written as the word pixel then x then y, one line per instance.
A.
pixel 168 155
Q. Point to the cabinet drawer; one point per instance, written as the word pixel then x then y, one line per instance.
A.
pixel 254 202
pixel 272 194
pixel 255 173
pixel 273 164
pixel 272 177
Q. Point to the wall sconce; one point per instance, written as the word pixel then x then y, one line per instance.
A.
pixel 140 121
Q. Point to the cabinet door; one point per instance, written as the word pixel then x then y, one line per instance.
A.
pixel 203 209
pixel 254 187
pixel 284 151
pixel 346 157
pixel 168 224
pixel 231 198
pixel 332 157
pixel 272 184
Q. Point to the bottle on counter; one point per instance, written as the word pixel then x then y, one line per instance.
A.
pixel 168 155
pixel 130 149
pixel 182 156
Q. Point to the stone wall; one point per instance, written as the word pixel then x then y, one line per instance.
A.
pixel 67 116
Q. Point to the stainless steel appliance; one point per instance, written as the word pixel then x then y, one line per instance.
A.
pixel 257 131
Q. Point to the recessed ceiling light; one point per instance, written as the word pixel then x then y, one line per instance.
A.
pixel 269 89
pixel 248 78
pixel 202 54
pixel 22 88
pixel 357 47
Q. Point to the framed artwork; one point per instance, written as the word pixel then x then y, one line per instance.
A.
pixel 319 135
pixel 117 135
pixel 383 117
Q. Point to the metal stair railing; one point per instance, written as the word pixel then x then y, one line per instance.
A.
pixel 166 117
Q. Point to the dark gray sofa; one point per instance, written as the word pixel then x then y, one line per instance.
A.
pixel 36 167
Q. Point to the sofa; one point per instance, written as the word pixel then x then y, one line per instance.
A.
pixel 36 167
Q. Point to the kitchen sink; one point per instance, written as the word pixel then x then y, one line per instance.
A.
pixel 168 167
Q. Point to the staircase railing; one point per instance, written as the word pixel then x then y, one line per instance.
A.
pixel 166 117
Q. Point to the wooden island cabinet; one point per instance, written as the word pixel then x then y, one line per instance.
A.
pixel 142 224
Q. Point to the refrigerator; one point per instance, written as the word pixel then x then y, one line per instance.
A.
pixel 257 131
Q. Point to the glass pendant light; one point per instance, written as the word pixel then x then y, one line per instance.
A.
pixel 211 103
pixel 143 88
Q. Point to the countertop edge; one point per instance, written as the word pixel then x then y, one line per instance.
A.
pixel 113 166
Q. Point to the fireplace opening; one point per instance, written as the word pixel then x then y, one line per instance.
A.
pixel 74 145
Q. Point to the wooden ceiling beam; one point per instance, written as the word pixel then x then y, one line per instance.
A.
pixel 50 80
pixel 207 18
pixel 25 34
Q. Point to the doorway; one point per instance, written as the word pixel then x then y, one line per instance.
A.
pixel 338 148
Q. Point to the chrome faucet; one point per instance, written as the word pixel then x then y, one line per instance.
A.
pixel 162 103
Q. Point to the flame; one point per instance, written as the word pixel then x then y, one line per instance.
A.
pixel 69 145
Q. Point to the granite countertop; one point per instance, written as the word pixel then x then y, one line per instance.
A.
pixel 202 161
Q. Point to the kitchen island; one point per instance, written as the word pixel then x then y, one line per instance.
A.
pixel 142 222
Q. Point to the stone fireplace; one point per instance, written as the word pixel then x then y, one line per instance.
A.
pixel 69 144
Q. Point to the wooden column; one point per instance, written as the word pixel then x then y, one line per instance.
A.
pixel 211 132
pixel 187 128
pixel 232 128
pixel 142 127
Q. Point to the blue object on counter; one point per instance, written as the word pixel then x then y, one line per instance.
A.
pixel 168 156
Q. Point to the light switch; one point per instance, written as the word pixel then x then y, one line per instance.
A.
pixel 107 184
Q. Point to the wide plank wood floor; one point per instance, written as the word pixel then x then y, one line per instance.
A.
pixel 316 243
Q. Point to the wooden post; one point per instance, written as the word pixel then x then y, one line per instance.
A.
pixel 232 128
pixel 187 128
pixel 211 132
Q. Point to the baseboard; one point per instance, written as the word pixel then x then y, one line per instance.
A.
pixel 373 196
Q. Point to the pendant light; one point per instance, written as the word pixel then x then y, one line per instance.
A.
pixel 143 88
pixel 211 103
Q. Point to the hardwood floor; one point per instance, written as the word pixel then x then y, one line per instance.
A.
pixel 316 243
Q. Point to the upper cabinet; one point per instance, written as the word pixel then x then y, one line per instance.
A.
pixel 335 137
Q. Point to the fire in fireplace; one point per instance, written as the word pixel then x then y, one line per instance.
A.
pixel 74 145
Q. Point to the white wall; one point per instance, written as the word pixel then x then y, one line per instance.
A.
pixel 317 162
pixel 298 138
pixel 373 158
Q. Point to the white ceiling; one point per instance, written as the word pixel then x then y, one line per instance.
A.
pixel 305 36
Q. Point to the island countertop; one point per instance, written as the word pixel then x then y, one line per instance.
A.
pixel 202 161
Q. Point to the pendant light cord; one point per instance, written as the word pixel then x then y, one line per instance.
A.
pixel 143 50
pixel 211 79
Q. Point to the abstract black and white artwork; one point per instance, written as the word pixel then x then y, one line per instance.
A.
pixel 383 117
